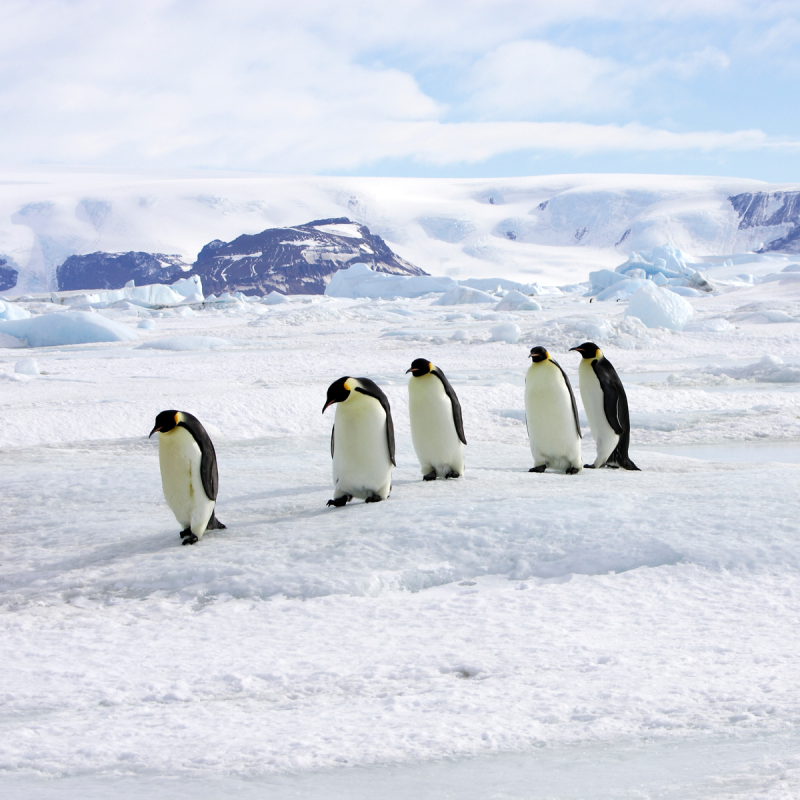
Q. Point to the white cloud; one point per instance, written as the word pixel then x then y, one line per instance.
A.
pixel 300 87
pixel 529 79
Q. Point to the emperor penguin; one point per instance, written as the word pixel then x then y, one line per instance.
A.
pixel 437 430
pixel 362 441
pixel 606 407
pixel 552 416
pixel 188 473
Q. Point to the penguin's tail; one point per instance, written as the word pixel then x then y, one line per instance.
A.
pixel 622 460
pixel 214 524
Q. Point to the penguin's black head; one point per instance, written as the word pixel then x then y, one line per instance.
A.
pixel 588 350
pixel 420 367
pixel 539 354
pixel 166 421
pixel 339 391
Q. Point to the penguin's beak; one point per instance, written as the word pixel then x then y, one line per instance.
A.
pixel 412 371
pixel 329 403
pixel 157 428
pixel 576 348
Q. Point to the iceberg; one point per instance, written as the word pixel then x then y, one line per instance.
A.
pixel 12 311
pixel 659 308
pixel 155 295
pixel 463 295
pixel 67 327
pixel 359 281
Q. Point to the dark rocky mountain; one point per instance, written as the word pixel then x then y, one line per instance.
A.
pixel 8 276
pixel 769 210
pixel 299 260
pixel 113 270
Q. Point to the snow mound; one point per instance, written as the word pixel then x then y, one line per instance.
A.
pixel 146 324
pixel 463 295
pixel 505 332
pixel 516 301
pixel 361 281
pixel 74 327
pixel 770 369
pixel 623 289
pixel 12 311
pixel 187 343
pixel 659 308
pixel 274 299
pixel 27 366
pixel 716 325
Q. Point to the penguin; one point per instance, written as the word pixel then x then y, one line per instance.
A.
pixel 551 416
pixel 362 441
pixel 606 407
pixel 188 473
pixel 437 430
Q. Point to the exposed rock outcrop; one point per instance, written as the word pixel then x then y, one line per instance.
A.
pixel 778 213
pixel 113 270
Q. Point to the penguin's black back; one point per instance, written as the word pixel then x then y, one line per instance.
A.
pixel 208 460
pixel 615 406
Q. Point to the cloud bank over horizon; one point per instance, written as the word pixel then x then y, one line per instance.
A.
pixel 409 88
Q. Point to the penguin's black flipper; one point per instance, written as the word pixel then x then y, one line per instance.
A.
pixel 615 402
pixel 451 393
pixel 208 461
pixel 214 524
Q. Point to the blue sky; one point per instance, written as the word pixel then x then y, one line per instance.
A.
pixel 456 89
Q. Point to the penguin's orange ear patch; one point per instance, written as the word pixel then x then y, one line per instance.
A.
pixel 348 385
pixel 177 417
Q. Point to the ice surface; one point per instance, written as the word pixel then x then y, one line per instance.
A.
pixel 72 327
pixel 361 281
pixel 659 308
pixel 770 369
pixel 186 343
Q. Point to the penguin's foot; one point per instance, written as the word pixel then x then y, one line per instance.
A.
pixel 190 539
pixel 338 502
pixel 540 468
pixel 186 532
pixel 214 524
pixel 431 476
pixel 588 466
pixel 453 474
pixel 573 471
pixel 374 498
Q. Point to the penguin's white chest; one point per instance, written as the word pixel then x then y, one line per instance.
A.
pixel 605 436
pixel 433 429
pixel 179 457
pixel 551 422
pixel 361 463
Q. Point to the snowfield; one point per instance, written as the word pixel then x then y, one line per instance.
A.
pixel 509 635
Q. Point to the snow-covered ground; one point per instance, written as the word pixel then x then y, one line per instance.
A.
pixel 506 635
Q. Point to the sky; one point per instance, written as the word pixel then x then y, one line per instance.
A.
pixel 404 88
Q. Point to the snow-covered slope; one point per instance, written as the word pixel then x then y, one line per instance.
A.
pixel 550 229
